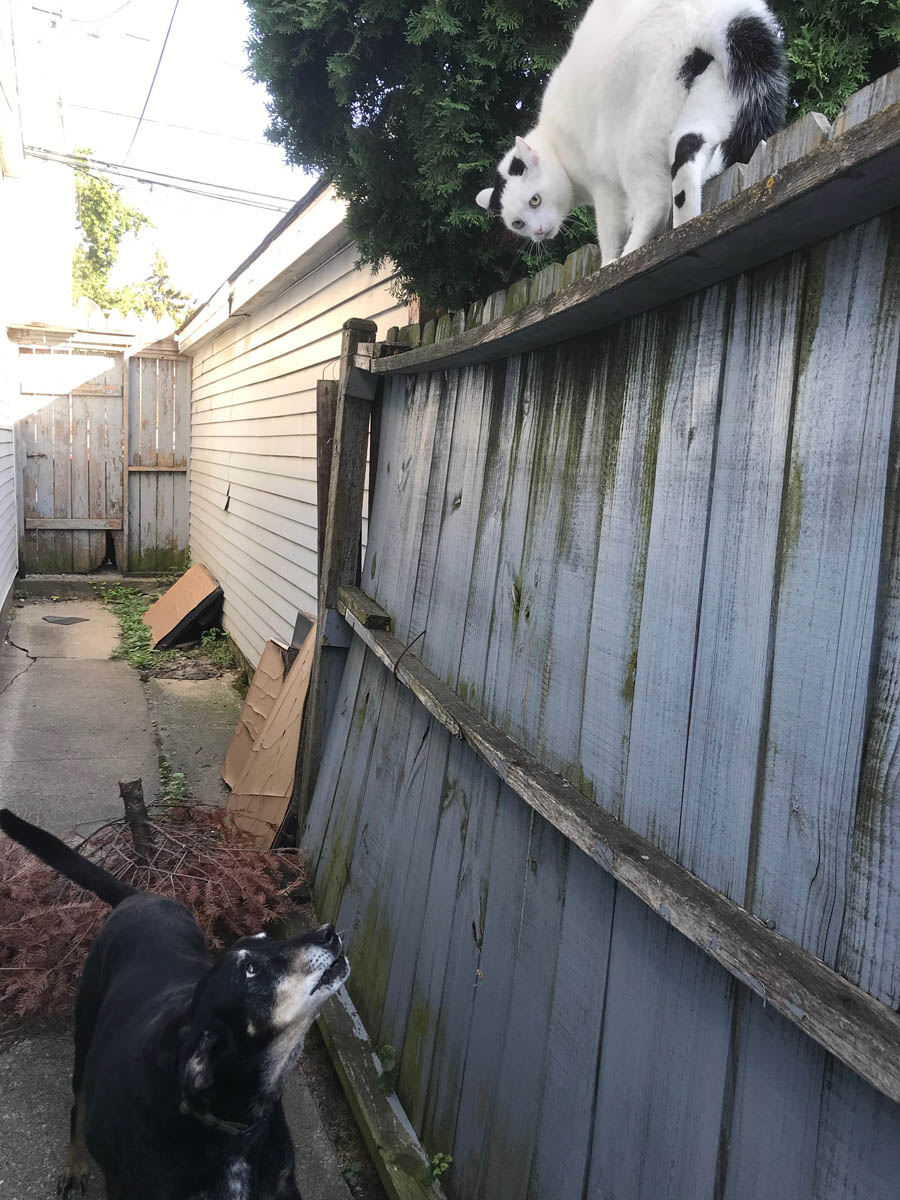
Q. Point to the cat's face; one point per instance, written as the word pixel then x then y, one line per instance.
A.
pixel 531 192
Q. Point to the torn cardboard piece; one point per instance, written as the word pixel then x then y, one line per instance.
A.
pixel 261 697
pixel 186 601
pixel 260 799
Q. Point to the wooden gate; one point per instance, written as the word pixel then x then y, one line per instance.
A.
pixel 101 454
pixel 159 430
pixel 69 458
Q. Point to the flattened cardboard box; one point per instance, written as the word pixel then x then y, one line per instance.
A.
pixel 261 697
pixel 260 799
pixel 185 600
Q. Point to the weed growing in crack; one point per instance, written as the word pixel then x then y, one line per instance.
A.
pixel 174 787
pixel 437 1166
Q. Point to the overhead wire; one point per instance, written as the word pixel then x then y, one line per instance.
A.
pixel 171 125
pixel 196 187
pixel 153 80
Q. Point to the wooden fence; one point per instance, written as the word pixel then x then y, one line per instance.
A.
pixel 102 444
pixel 607 795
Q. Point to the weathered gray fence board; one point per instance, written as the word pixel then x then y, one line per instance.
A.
pixel 858 1153
pixel 410 561
pixel 158 452
pixel 61 419
pixel 666 648
pixel 772 1104
pixel 635 386
pixel 446 933
pixel 731 674
pixel 663 685
pixel 492 992
pixel 345 714
pixel 81 449
pixel 463 960
pixel 566 1116
pixel 831 539
pixel 662 1063
pixel 513 1125
pixel 664 559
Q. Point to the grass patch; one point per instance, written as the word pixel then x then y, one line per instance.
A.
pixel 129 606
pixel 216 645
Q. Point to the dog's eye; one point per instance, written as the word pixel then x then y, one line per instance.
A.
pixel 518 223
pixel 250 969
pixel 535 201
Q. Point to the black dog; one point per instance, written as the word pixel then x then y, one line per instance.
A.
pixel 178 1061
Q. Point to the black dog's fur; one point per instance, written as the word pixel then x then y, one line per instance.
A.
pixel 179 1061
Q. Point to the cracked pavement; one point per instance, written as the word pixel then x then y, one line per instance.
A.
pixel 74 722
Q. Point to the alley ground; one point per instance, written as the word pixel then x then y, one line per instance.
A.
pixel 73 723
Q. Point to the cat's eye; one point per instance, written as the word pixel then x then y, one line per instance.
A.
pixel 251 969
pixel 535 201
pixel 518 223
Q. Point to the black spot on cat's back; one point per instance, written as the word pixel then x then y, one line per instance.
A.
pixel 680 199
pixel 687 147
pixel 694 64
pixel 516 166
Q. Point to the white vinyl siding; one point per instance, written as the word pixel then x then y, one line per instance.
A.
pixel 253 443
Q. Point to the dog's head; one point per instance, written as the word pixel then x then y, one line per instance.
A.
pixel 251 1012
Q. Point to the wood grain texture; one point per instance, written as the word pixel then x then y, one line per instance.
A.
pixel 830 552
pixel 852 1025
pixel 731 675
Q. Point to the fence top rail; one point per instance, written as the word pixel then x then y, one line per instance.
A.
pixel 845 180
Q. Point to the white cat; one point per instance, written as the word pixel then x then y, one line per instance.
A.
pixel 652 98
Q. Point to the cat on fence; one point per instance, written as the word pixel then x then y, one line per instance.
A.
pixel 652 98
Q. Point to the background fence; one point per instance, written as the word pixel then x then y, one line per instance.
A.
pixel 664 558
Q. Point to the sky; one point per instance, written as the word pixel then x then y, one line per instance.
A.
pixel 205 121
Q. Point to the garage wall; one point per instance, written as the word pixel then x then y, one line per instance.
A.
pixel 253 428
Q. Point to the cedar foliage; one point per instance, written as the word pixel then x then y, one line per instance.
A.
pixel 407 106
pixel 47 923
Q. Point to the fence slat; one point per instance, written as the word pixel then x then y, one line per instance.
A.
pixel 853 1026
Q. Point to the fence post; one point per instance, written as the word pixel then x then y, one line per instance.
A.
pixel 340 532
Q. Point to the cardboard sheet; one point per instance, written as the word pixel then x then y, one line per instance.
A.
pixel 261 697
pixel 183 603
pixel 260 797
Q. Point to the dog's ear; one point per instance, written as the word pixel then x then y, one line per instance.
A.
pixel 202 1052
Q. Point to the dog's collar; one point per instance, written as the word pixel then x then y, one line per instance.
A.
pixel 208 1118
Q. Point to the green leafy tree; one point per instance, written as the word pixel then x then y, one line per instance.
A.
pixel 407 106
pixel 835 47
pixel 155 295
pixel 104 219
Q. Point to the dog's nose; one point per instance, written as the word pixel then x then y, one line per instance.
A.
pixel 326 935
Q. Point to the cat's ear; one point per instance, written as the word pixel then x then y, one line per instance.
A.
pixel 528 156
pixel 483 199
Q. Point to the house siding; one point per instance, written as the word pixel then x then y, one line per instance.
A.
pixel 253 441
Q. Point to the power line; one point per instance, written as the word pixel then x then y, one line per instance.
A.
pixel 210 191
pixel 170 125
pixel 105 17
pixel 153 80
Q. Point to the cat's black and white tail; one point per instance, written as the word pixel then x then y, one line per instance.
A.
pixel 747 75
pixel 758 79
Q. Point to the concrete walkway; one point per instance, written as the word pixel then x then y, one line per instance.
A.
pixel 72 724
